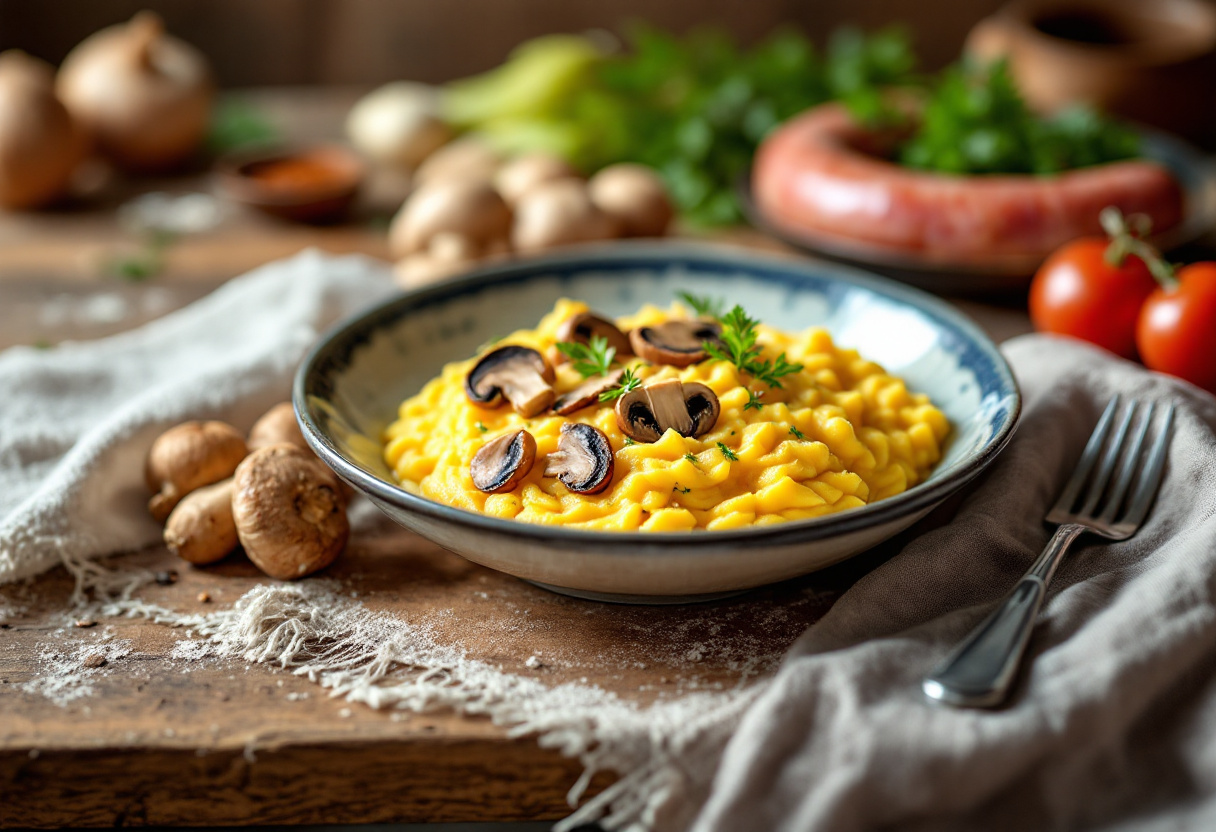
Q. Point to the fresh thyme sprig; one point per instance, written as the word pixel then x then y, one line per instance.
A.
pixel 691 458
pixel 753 400
pixel 727 452
pixel 797 434
pixel 703 305
pixel 738 346
pixel 591 359
pixel 629 382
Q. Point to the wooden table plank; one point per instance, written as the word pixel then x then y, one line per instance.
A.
pixel 150 737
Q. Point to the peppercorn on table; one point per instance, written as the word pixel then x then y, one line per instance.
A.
pixel 113 722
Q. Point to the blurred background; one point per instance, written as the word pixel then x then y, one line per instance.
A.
pixel 368 42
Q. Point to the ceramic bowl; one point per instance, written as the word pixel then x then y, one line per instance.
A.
pixel 349 387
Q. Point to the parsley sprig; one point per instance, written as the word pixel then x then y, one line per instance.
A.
pixel 753 400
pixel 591 359
pixel 628 383
pixel 703 305
pixel 738 346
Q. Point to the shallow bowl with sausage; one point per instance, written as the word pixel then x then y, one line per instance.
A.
pixel 825 183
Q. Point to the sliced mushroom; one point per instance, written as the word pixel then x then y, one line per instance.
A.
pixel 647 412
pixel 520 374
pixel 581 327
pixel 502 463
pixel 583 459
pixel 678 343
pixel 587 393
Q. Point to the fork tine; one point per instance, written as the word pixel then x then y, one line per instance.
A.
pixel 1127 468
pixel 1108 462
pixel 1150 474
pixel 1092 448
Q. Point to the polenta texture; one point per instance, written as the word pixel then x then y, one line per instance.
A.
pixel 836 435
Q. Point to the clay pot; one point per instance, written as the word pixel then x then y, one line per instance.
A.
pixel 1152 61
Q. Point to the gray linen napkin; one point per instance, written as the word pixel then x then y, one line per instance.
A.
pixel 1114 725
pixel 76 421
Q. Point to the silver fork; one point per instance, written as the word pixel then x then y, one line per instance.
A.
pixel 980 671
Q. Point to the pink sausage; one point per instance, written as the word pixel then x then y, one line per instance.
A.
pixel 812 177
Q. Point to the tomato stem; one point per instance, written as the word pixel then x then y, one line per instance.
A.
pixel 1127 239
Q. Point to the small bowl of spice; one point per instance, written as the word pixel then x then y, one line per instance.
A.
pixel 313 184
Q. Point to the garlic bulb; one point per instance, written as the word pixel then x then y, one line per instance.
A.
pixel 398 124
pixel 40 146
pixel 143 95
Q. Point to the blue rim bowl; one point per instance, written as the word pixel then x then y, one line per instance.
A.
pixel 349 386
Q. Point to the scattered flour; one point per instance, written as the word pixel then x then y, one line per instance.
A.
pixel 68 675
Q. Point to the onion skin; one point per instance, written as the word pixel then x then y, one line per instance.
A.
pixel 40 145
pixel 145 97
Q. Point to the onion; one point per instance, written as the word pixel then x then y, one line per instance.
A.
pixel 39 144
pixel 398 124
pixel 144 96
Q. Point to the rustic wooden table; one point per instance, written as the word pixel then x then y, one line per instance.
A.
pixel 151 738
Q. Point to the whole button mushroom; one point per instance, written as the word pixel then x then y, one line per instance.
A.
pixel 519 374
pixel 678 343
pixel 646 413
pixel 289 512
pixel 469 208
pixel 523 173
pixel 502 463
pixel 634 196
pixel 464 158
pixel 559 213
pixel 189 456
pixel 583 460
pixel 587 393
pixel 277 426
pixel 201 529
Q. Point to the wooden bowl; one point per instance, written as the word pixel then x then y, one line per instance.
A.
pixel 1152 61
pixel 315 184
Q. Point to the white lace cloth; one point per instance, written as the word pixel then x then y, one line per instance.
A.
pixel 1114 726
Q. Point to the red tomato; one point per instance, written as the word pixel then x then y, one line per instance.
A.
pixel 1177 329
pixel 1076 292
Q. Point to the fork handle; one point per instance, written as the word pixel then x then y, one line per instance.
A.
pixel 980 671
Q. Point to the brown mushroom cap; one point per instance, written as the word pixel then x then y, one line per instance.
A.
pixel 275 426
pixel 583 459
pixel 523 173
pixel 557 213
pixel 581 327
pixel 587 393
pixel 678 343
pixel 189 456
pixel 646 413
pixel 521 374
pixel 502 463
pixel 289 512
pixel 469 208
pixel 635 197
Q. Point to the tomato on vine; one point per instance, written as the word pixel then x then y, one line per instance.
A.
pixel 1176 333
pixel 1094 288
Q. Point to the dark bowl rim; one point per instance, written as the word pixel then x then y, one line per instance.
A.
pixel 922 496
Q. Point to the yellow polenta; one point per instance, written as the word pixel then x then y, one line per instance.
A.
pixel 839 434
